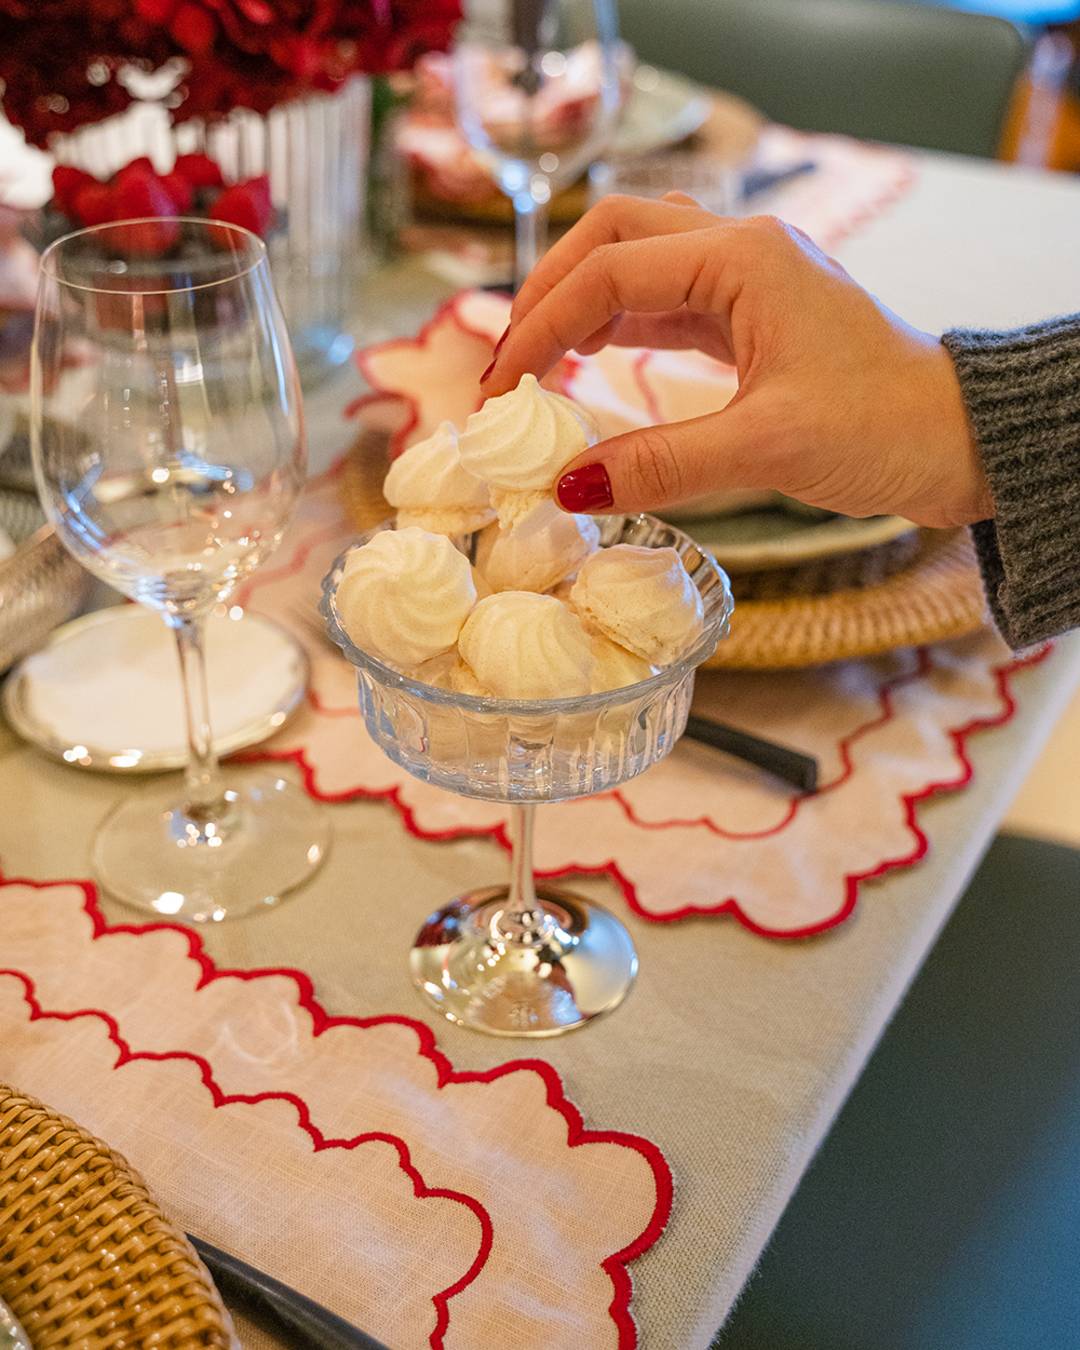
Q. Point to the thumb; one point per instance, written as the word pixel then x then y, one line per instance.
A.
pixel 661 466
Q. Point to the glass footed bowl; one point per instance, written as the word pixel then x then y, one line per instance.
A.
pixel 517 959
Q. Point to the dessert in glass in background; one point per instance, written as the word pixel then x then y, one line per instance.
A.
pixel 538 92
pixel 169 450
pixel 568 683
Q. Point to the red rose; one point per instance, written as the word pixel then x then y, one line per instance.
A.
pixel 61 60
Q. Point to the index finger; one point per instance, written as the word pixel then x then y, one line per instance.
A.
pixel 615 219
pixel 697 269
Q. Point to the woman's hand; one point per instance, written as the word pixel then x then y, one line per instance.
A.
pixel 840 403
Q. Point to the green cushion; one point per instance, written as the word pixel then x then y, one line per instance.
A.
pixel 943 1210
pixel 889 71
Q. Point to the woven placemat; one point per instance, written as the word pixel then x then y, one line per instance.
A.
pixel 938 596
pixel 86 1257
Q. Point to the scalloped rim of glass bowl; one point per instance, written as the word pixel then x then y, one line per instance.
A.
pixel 701 651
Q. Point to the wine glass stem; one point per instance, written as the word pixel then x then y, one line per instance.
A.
pixel 530 233
pixel 523 921
pixel 204 792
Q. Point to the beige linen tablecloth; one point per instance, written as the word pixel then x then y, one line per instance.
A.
pixel 732 1053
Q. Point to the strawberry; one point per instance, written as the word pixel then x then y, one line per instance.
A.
pixel 143 194
pixel 67 182
pixel 247 204
pixel 179 189
pixel 93 204
pixel 137 168
pixel 199 170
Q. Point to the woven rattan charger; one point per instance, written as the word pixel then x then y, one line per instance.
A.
pixel 87 1259
pixel 935 595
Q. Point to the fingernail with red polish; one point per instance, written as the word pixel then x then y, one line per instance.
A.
pixel 585 489
pixel 495 353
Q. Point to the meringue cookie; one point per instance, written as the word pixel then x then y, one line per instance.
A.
pixel 539 552
pixel 520 442
pixel 523 645
pixel 463 681
pixel 449 671
pixel 614 667
pixel 641 598
pixel 429 487
pixel 405 595
pixel 436 670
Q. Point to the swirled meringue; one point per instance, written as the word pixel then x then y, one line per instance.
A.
pixel 429 487
pixel 405 595
pixel 642 598
pixel 614 667
pixel 449 671
pixel 523 645
pixel 520 442
pixel 537 553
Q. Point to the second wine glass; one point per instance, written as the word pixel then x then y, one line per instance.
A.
pixel 169 450
pixel 538 93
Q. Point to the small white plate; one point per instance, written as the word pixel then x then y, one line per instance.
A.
pixel 662 109
pixel 104 693
pixel 12 1336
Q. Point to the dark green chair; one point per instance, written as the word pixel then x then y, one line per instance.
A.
pixel 889 71
pixel 943 1210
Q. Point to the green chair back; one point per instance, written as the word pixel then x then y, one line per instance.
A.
pixel 889 71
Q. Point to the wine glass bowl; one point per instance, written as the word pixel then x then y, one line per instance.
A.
pixel 169 451
pixel 175 450
pixel 519 960
pixel 537 90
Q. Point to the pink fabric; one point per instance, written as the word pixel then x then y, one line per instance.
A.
pixel 345 1156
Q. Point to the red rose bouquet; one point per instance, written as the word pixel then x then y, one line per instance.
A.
pixel 66 63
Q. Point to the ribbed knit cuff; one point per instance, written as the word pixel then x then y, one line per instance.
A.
pixel 1022 391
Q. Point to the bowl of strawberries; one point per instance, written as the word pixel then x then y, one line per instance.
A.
pixel 154 203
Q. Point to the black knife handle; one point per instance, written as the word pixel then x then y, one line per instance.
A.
pixel 303 1322
pixel 792 766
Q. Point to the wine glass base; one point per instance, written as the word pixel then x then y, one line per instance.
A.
pixel 275 838
pixel 583 966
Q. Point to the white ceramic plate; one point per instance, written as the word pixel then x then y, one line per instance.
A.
pixel 662 109
pixel 756 541
pixel 104 693
pixel 12 1336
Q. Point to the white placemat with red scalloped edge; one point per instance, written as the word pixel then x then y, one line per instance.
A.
pixel 698 833
pixel 345 1156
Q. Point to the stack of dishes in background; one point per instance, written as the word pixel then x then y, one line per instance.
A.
pixel 813 586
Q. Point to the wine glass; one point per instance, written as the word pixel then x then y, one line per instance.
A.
pixel 522 959
pixel 169 450
pixel 537 91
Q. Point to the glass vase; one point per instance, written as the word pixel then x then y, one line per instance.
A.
pixel 315 150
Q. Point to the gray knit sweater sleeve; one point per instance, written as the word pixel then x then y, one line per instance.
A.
pixel 1022 391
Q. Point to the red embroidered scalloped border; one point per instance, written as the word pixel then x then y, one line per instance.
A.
pixel 851 880
pixel 578 1134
